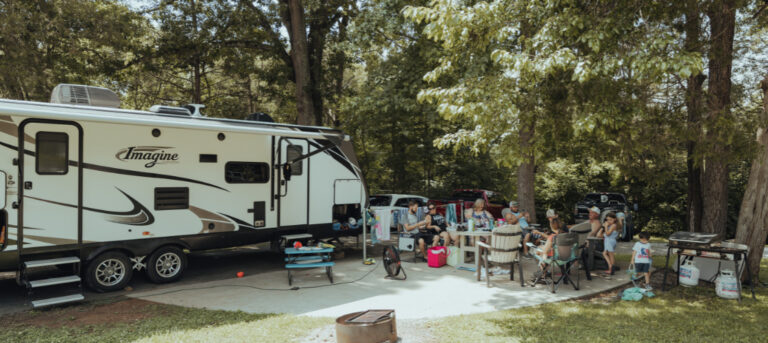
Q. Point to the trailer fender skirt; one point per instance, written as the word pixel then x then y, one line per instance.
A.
pixel 140 247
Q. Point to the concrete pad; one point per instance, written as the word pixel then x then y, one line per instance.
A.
pixel 427 292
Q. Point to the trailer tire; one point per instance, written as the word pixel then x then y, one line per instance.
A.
pixel 110 271
pixel 166 264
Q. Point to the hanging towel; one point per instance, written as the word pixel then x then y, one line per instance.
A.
pixel 383 218
pixel 450 214
pixel 400 216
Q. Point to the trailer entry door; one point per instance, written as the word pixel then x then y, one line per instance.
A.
pixel 294 202
pixel 50 193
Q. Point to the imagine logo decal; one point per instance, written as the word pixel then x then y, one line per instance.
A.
pixel 153 155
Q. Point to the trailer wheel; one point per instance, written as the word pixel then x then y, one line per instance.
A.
pixel 109 272
pixel 166 264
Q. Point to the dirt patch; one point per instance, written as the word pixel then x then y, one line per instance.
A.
pixel 126 311
pixel 657 278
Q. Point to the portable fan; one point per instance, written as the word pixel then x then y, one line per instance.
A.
pixel 392 265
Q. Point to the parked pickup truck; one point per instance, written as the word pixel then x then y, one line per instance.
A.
pixel 494 201
pixel 607 202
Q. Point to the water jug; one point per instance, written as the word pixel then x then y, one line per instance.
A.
pixel 470 225
pixel 727 284
pixel 689 274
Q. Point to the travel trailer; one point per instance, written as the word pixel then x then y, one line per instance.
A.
pixel 121 191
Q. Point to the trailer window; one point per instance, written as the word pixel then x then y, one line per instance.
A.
pixel 52 153
pixel 246 172
pixel 294 151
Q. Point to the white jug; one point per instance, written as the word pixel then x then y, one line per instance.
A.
pixel 689 274
pixel 727 284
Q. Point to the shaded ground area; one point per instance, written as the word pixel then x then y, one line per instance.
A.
pixel 203 267
pixel 127 311
pixel 683 314
pixel 137 320
pixel 427 292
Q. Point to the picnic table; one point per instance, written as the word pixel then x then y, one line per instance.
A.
pixel 475 249
pixel 309 257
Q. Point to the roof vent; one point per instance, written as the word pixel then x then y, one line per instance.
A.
pixel 179 111
pixel 195 109
pixel 84 95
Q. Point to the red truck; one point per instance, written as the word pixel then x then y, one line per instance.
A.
pixel 494 201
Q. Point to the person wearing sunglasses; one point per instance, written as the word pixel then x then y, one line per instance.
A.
pixel 436 223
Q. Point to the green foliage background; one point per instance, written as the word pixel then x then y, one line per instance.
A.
pixel 424 86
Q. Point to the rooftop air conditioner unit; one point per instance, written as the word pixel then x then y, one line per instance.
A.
pixel 179 111
pixel 84 95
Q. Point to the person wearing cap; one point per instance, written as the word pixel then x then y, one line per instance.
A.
pixel 514 215
pixel 594 222
pixel 552 215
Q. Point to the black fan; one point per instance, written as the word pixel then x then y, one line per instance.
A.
pixel 392 263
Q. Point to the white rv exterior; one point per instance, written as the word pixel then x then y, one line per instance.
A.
pixel 109 181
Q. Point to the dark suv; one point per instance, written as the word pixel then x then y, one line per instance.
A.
pixel 607 202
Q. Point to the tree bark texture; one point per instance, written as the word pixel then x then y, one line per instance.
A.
pixel 294 23
pixel 694 103
pixel 752 228
pixel 714 181
pixel 526 173
pixel 317 34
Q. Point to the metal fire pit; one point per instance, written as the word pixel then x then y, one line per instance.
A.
pixel 372 326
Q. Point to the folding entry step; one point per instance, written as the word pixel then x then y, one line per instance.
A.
pixel 51 262
pixel 54 278
pixel 58 300
pixel 54 281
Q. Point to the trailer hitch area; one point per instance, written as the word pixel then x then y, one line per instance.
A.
pixel 137 262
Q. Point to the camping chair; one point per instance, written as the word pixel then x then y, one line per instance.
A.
pixel 582 230
pixel 505 251
pixel 565 247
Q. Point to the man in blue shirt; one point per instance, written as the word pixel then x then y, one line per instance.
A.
pixel 513 214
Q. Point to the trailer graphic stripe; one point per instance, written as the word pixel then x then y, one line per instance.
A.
pixel 139 215
pixel 121 171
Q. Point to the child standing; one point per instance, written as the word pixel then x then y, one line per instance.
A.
pixel 610 230
pixel 641 258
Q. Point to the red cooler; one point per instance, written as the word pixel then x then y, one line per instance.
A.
pixel 437 256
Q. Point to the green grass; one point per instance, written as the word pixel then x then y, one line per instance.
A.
pixel 658 261
pixel 680 315
pixel 653 239
pixel 166 324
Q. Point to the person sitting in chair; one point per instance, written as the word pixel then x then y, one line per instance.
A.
pixel 436 224
pixel 413 227
pixel 513 213
pixel 479 215
pixel 547 251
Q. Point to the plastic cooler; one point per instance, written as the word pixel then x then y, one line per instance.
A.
pixel 436 257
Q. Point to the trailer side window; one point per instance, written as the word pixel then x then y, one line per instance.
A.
pixel 246 172
pixel 52 153
pixel 292 152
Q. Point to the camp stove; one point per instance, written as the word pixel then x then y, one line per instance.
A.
pixel 685 239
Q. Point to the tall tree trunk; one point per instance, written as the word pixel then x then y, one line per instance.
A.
pixel 714 181
pixel 526 174
pixel 196 92
pixel 316 51
pixel 693 102
pixel 294 23
pixel 752 228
